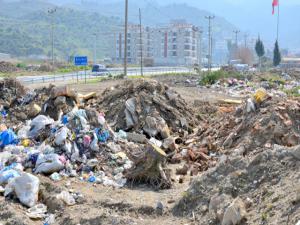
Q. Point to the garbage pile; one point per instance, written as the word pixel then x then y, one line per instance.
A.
pixel 7 67
pixel 261 121
pixel 145 106
pixel 127 134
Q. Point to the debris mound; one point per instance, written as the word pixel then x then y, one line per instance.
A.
pixel 7 67
pixel 146 106
pixel 256 182
pixel 273 122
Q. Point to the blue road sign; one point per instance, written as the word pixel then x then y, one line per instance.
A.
pixel 81 60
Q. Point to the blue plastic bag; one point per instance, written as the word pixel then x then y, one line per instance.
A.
pixel 103 136
pixel 8 137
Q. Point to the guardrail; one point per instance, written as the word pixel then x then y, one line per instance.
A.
pixel 88 75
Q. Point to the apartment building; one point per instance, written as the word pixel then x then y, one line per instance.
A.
pixel 175 44
pixel 135 46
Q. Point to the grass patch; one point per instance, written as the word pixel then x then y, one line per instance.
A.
pixel 213 77
pixel 294 92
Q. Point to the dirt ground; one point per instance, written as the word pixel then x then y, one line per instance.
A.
pixel 129 205
pixel 141 204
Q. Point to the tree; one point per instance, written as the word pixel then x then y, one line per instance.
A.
pixel 245 55
pixel 277 55
pixel 260 50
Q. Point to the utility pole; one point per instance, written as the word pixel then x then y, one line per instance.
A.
pixel 51 13
pixel 141 41
pixel 95 49
pixel 236 37
pixel 210 18
pixel 125 37
pixel 246 40
pixel 200 51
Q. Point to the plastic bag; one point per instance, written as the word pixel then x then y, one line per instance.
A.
pixel 8 137
pixel 94 145
pixel 130 113
pixel 25 187
pixel 39 123
pixel 5 176
pixel 66 198
pixel 61 136
pixel 37 212
pixel 48 164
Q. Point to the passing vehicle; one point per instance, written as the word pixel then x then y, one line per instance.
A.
pixel 100 70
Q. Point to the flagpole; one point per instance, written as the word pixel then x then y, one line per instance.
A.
pixel 278 21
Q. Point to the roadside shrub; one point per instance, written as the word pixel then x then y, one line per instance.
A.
pixel 213 77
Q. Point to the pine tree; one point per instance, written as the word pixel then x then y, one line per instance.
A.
pixel 277 55
pixel 260 50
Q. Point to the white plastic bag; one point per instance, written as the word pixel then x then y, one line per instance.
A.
pixel 61 136
pixel 48 164
pixel 25 187
pixel 39 123
pixel 66 198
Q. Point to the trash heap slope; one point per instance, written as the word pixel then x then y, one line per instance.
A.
pixel 127 107
pixel 242 190
pixel 275 121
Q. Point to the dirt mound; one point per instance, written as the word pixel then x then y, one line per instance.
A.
pixel 264 184
pixel 11 90
pixel 7 67
pixel 18 102
pixel 274 122
pixel 142 105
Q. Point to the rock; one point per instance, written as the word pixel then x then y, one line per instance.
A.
pixel 34 110
pixel 235 213
pixel 136 138
pixel 169 144
pixel 218 204
pixel 297 198
pixel 296 152
pixel 159 208
pixel 61 100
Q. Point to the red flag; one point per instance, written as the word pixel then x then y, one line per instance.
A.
pixel 274 4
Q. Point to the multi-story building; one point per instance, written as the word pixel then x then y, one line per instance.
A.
pixel 175 44
pixel 135 45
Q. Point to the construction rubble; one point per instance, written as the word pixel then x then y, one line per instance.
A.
pixel 241 155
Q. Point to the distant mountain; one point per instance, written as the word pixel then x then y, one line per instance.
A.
pixel 254 17
pixel 25 30
pixel 25 24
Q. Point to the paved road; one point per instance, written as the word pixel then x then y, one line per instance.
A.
pixel 148 71
pixel 82 75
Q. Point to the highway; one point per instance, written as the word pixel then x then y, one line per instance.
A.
pixel 82 75
pixel 87 75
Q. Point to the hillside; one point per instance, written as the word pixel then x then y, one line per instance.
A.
pixel 26 30
pixel 25 25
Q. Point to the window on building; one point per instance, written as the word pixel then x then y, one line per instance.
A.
pixel 174 40
pixel 187 47
pixel 187 33
pixel 174 53
pixel 174 47
pixel 174 34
